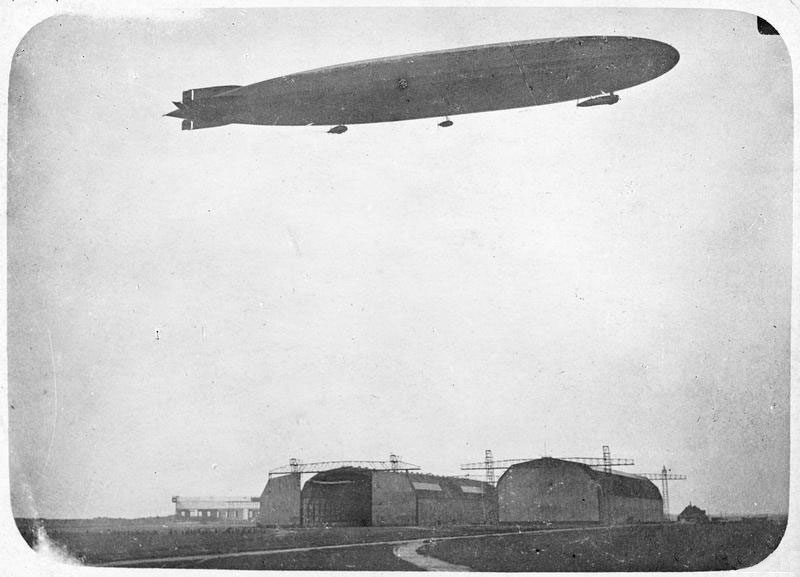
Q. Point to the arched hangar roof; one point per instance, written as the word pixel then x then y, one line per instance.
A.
pixel 433 485
pixel 613 483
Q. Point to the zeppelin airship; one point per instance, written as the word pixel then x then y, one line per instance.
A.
pixel 586 69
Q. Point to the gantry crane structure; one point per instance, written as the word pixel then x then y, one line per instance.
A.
pixel 665 477
pixel 295 466
pixel 490 465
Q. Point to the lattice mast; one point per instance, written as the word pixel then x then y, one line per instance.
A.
pixel 489 462
pixel 606 459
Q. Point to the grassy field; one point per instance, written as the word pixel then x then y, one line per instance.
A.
pixel 95 543
pixel 370 558
pixel 669 547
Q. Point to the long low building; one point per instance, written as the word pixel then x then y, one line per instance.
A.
pixel 217 508
pixel 354 496
pixel 553 490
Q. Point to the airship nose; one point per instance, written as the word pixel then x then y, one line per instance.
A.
pixel 671 57
pixel 665 55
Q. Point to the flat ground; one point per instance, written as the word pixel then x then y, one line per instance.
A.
pixel 361 558
pixel 668 547
pixel 97 542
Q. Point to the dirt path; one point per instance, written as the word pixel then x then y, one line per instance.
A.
pixel 408 552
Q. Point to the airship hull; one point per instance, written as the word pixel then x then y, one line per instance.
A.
pixel 438 84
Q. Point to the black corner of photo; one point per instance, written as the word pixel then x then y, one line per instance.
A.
pixel 765 27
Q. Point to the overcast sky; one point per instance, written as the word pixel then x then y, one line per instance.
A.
pixel 548 279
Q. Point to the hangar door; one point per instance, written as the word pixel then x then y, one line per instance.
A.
pixel 338 502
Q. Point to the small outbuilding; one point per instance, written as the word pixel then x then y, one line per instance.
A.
pixel 693 514
pixel 229 509
pixel 551 490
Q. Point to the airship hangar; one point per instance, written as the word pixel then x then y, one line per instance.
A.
pixel 374 493
pixel 394 493
pixel 554 490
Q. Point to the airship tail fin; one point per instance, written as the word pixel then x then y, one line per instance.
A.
pixel 190 124
pixel 196 94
